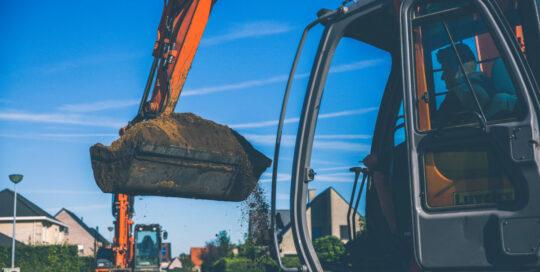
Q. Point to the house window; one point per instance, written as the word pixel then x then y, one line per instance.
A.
pixel 344 232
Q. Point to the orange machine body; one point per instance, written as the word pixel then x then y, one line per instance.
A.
pixel 123 238
pixel 123 241
pixel 179 35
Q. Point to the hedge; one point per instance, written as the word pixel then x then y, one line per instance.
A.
pixel 57 258
pixel 291 261
pixel 238 264
pixel 242 264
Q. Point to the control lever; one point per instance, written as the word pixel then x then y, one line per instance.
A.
pixel 352 225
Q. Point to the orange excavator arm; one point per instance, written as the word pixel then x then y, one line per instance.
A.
pixel 179 34
pixel 123 225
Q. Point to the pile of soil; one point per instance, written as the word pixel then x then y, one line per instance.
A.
pixel 179 155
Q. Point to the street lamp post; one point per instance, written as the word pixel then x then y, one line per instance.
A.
pixel 15 178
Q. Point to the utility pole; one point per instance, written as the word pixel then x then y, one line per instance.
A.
pixel 15 178
pixel 95 241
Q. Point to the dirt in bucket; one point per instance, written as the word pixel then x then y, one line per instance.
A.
pixel 186 131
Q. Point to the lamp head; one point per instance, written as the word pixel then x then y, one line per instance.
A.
pixel 15 178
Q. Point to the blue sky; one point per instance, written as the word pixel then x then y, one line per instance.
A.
pixel 73 71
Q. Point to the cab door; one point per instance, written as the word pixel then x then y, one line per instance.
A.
pixel 471 111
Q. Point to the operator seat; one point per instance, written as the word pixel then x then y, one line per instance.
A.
pixel 504 99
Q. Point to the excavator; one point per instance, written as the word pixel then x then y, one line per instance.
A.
pixel 134 248
pixel 120 256
pixel 460 190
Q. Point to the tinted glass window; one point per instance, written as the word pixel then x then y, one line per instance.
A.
pixel 461 78
pixel 469 176
pixel 460 72
pixel 354 86
pixel 147 248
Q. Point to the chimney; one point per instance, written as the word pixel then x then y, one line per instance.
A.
pixel 311 194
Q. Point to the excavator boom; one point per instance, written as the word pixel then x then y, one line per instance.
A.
pixel 179 34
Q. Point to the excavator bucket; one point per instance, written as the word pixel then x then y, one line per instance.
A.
pixel 181 155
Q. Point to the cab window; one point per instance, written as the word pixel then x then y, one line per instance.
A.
pixel 461 76
pixel 462 80
pixel 465 177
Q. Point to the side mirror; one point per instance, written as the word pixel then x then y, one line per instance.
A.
pixel 165 235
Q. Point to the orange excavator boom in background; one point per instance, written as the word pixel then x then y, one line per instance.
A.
pixel 123 225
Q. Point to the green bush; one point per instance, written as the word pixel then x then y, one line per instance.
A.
pixel 58 258
pixel 238 264
pixel 87 264
pixel 291 261
pixel 330 250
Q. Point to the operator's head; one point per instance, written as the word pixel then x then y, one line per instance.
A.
pixel 450 63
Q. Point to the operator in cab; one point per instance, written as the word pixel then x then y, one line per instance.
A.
pixel 147 246
pixel 460 99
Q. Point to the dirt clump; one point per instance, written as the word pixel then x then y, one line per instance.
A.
pixel 181 155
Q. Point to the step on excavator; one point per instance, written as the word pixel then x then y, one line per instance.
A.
pixel 460 191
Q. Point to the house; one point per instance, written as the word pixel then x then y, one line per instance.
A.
pixel 165 255
pixel 326 214
pixel 196 254
pixel 34 225
pixel 176 263
pixel 79 234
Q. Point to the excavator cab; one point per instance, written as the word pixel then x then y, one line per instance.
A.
pixel 450 178
pixel 147 248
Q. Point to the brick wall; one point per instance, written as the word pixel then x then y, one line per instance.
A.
pixel 35 232
pixel 77 235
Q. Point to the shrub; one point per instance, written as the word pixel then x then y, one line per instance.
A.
pixel 291 261
pixel 56 258
pixel 239 264
pixel 330 250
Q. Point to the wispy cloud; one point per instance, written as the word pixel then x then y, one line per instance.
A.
pixel 248 84
pixel 234 86
pixel 248 30
pixel 270 139
pixel 61 192
pixel 328 169
pixel 341 178
pixel 329 115
pixel 81 61
pixel 99 105
pixel 267 177
pixel 70 137
pixel 55 118
pixel 359 65
pixel 341 145
pixel 353 66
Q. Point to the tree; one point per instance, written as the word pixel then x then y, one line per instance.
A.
pixel 330 250
pixel 187 264
pixel 216 249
